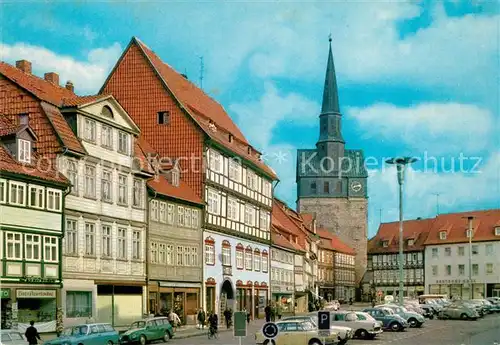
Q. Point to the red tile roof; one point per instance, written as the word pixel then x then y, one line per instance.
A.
pixel 7 127
pixel 204 110
pixel 38 169
pixel 281 241
pixel 417 229
pixel 456 226
pixel 142 158
pixel 332 242
pixel 341 247
pixel 76 100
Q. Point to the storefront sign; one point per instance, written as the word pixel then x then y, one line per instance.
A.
pixel 180 285
pixel 455 281
pixel 37 280
pixel 5 293
pixel 36 293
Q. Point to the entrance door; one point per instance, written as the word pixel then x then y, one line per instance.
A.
pixel 226 298
pixel 496 293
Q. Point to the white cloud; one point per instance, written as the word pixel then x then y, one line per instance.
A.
pixel 87 75
pixel 438 128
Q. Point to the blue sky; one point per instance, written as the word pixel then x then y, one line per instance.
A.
pixel 414 78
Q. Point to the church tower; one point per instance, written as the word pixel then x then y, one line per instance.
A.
pixel 332 180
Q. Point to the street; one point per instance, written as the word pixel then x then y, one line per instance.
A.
pixel 435 332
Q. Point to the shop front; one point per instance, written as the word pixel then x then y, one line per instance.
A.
pixel 210 296
pixel 119 304
pixel 459 289
pixel 182 298
pixel 283 297
pixel 261 297
pixel 244 296
pixel 6 309
pixel 327 292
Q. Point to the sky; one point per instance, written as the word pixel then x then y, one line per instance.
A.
pixel 415 78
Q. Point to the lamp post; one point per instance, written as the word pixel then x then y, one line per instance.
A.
pixel 469 233
pixel 401 163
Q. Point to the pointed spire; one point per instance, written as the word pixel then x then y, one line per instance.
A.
pixel 330 93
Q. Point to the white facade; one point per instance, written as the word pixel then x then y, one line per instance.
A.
pixel 105 218
pixel 447 269
pixel 239 202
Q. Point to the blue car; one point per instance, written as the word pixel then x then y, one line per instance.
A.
pixel 389 320
pixel 88 334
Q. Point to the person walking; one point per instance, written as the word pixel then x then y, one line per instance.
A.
pixel 267 311
pixel 247 315
pixel 201 318
pixel 227 316
pixel 31 334
pixel 174 319
pixel 279 311
pixel 273 313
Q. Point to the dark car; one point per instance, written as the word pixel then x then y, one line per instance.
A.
pixel 389 320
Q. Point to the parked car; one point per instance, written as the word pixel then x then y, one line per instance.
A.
pixel 413 319
pixel 495 303
pixel 88 334
pixel 12 337
pixel 489 308
pixel 344 333
pixel 389 320
pixel 362 316
pixel 333 305
pixel 364 329
pixel 389 299
pixel 297 332
pixel 478 307
pixel 144 331
pixel 461 311
pixel 423 309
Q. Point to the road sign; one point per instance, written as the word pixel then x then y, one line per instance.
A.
pixel 240 324
pixel 270 330
pixel 323 320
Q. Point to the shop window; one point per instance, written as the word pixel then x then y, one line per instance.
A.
pixel 78 304
pixel 36 197
pixel 40 310
pixel 13 245
pixel 50 249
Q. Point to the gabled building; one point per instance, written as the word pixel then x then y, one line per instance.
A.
pixel 32 198
pixel 447 254
pixel 383 257
pixel 183 124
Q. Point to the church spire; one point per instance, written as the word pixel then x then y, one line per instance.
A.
pixel 330 92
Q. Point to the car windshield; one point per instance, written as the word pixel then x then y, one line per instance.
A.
pixel 138 324
pixel 77 330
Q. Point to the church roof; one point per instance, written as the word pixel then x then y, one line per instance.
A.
pixel 308 164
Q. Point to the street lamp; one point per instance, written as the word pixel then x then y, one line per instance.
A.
pixel 401 163
pixel 469 233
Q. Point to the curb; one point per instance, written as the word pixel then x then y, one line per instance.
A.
pixel 198 334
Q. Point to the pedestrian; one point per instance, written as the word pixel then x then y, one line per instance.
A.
pixel 31 334
pixel 227 316
pixel 267 311
pixel 247 315
pixel 279 311
pixel 273 313
pixel 201 318
pixel 174 319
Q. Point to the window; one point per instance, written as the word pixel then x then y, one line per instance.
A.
pixel 213 202
pixel 232 209
pixel 187 217
pixel 163 212
pixel 136 245
pixel 489 249
pixel 71 237
pixel 106 241
pixel 434 270
pixel 248 258
pixel 179 256
pixel 187 256
pixel 32 247
pixel 3 191
pixel 89 239
pixel 256 260
pixel 122 189
pixel 411 242
pixel 497 231
pixel 469 233
pixel 175 177
pixel 209 252
pixel 265 261
pixel 78 303
pixel 89 130
pixel 264 220
pixel 154 253
pixel 72 173
pixel 194 256
pixel 435 253
pixel 447 251
pixel 170 254
pixel 442 235
pixel 106 186
pixel 123 142
pixel 180 215
pixel 475 250
pixel 36 198
pixel 89 181
pixel 107 137
pixel 137 196
pixel 54 202
pixel 154 210
pixel 313 188
pixel 24 151
pixel 461 251
pixel 251 180
pixel 226 253
pixel 461 270
pixel 326 187
pixel 385 244
pixel 16 195
pixel 163 117
pixel 162 253
pixel 475 269
pixel 234 170
pixel 194 220
pixel 50 249
pixel 448 270
pixel 215 161
pixel 249 215
pixel 489 268
pixel 170 214
pixel 240 253
pixel 121 251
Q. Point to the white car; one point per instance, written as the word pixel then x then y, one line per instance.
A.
pixel 364 329
pixel 12 337
pixel 389 299
pixel 344 333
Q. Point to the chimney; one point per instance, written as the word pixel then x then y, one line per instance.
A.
pixel 52 77
pixel 70 86
pixel 184 75
pixel 24 65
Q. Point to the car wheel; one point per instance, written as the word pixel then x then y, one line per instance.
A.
pixel 166 336
pixel 431 317
pixel 396 327
pixel 143 340
pixel 109 343
pixel 343 342
pixel 412 322
pixel 315 342
pixel 464 316
pixel 361 333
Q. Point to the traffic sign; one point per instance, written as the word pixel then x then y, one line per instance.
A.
pixel 323 320
pixel 240 324
pixel 270 330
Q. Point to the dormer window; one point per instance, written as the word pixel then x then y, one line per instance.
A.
pixel 411 241
pixel 175 177
pixel 23 119
pixel 469 233
pixel 107 112
pixel 442 235
pixel 497 231
pixel 385 244
pixel 24 151
pixel 163 117
pixel 230 138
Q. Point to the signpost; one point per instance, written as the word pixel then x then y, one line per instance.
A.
pixel 323 324
pixel 240 325
pixel 270 331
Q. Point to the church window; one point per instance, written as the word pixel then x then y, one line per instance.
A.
pixel 326 187
pixel 313 187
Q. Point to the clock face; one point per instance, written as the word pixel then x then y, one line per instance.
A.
pixel 356 186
